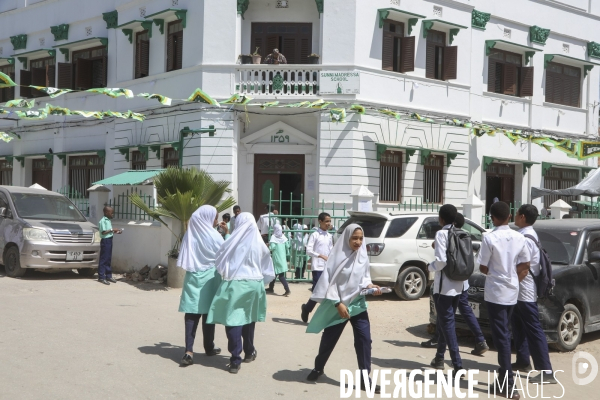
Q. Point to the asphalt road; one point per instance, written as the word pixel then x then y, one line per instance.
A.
pixel 67 337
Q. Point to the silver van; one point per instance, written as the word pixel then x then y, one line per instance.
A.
pixel 40 229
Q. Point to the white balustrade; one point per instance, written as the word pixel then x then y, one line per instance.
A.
pixel 277 80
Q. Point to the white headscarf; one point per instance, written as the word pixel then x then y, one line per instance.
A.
pixel 278 236
pixel 346 273
pixel 244 255
pixel 201 241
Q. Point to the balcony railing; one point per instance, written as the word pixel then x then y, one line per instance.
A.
pixel 277 80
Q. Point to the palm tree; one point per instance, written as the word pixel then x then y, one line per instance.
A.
pixel 180 192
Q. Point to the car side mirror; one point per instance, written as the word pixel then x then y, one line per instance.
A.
pixel 594 256
pixel 4 212
pixel 476 247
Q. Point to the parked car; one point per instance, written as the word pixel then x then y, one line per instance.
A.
pixel 573 246
pixel 399 247
pixel 40 229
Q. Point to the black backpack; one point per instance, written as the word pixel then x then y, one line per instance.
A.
pixel 544 282
pixel 459 255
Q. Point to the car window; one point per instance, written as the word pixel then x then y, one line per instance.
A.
pixel 372 226
pixel 399 226
pixel 475 233
pixel 560 245
pixel 593 244
pixel 429 228
pixel 4 201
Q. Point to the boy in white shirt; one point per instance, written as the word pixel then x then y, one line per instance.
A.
pixel 527 330
pixel 267 221
pixel 503 258
pixel 318 247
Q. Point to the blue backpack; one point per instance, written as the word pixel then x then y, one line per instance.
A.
pixel 544 282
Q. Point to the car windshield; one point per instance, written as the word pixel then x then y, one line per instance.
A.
pixel 560 245
pixel 372 226
pixel 46 207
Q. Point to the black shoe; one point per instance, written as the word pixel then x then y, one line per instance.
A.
pixel 287 293
pixel 186 360
pixel 364 389
pixel 457 370
pixel 111 280
pixel 548 379
pixel 304 315
pixel 503 393
pixel 480 348
pixel 270 290
pixel 438 363
pixel 314 375
pixel 251 357
pixel 104 281
pixel 213 352
pixel 234 368
pixel 430 344
pixel 521 368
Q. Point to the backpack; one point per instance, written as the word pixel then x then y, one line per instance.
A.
pixel 459 255
pixel 544 282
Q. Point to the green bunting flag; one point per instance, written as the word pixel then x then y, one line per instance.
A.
pixel 137 116
pixel 322 104
pixel 5 81
pixel 50 91
pixel 3 111
pixel 389 113
pixel 297 105
pixel 87 114
pixel 238 99
pixel 31 114
pixel 358 108
pixel 52 110
pixel 201 97
pixel 113 92
pixel 338 114
pixel 165 101
pixel 269 104
pixel 20 103
pixel 421 118
pixel 6 136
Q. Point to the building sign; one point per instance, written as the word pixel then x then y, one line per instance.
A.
pixel 339 82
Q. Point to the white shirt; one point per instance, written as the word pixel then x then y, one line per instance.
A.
pixel 501 251
pixel 232 224
pixel 264 223
pixel 319 243
pixel 449 287
pixel 527 288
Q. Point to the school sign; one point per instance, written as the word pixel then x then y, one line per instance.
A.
pixel 339 82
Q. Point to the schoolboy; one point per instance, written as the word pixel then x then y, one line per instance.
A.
pixel 236 211
pixel 106 243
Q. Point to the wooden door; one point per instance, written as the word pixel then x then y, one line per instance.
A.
pixel 42 173
pixel 264 184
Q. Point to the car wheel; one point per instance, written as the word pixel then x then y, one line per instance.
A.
pixel 12 263
pixel 570 329
pixel 89 272
pixel 411 283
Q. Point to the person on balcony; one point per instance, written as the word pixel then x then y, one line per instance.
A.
pixel 275 58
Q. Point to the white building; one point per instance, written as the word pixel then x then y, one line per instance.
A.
pixel 516 63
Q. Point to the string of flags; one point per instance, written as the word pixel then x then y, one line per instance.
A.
pixel 576 148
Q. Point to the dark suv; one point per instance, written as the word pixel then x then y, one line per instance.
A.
pixel 573 246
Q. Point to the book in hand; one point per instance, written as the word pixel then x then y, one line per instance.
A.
pixel 367 292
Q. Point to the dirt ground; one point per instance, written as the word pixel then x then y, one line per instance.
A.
pixel 67 337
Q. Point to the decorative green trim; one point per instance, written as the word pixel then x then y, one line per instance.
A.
pixel 49 157
pixel 104 42
pixel 156 150
pixel 242 7
pixel 450 155
pixel 125 152
pixel 23 61
pixel 277 82
pixel 428 24
pixel 21 160
pixel 129 34
pixel 182 15
pixel 587 65
pixel 452 33
pixel 384 13
pixel 528 56
pixel 102 155
pixel 9 160
pixel 144 151
pixel 586 69
pixel 584 169
pixel 9 60
pixel 545 167
pixel 547 59
pixel 161 25
pixel 410 151
pixel 593 49
pixel 411 24
pixel 19 42
pixel 133 23
pixel 490 44
pixel 63 158
pixel 65 52
pixel 52 53
pixel 147 25
pixel 538 35
pixel 320 5
pixel 111 19
pixel 60 32
pixel 487 161
pixel 479 19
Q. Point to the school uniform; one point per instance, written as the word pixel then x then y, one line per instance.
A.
pixel 265 223
pixel 279 245
pixel 501 251
pixel 106 245
pixel 245 265
pixel 299 242
pixel 346 274
pixel 528 335
pixel 320 242
pixel 197 257
pixel 446 295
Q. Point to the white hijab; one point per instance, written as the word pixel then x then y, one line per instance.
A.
pixel 244 255
pixel 346 273
pixel 278 236
pixel 201 241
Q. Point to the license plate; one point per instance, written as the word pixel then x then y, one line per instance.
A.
pixel 474 307
pixel 74 255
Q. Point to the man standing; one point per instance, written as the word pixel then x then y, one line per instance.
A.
pixel 503 258
pixel 106 241
pixel 275 58
pixel 236 211
pixel 526 327
pixel 267 221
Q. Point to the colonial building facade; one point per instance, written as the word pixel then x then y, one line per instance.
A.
pixel 517 63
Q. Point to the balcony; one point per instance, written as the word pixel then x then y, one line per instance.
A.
pixel 277 80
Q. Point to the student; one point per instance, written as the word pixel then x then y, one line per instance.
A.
pixel 527 330
pixel 197 257
pixel 347 273
pixel 446 294
pixel 300 240
pixel 280 248
pixel 106 244
pixel 224 227
pixel 267 221
pixel 503 256
pixel 465 310
pixel 236 211
pixel 245 265
pixel 318 247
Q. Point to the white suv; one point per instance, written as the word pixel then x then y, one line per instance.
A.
pixel 399 247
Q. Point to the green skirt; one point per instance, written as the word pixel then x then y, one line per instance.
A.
pixel 198 291
pixel 327 315
pixel 238 303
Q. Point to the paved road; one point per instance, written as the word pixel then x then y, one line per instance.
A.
pixel 65 337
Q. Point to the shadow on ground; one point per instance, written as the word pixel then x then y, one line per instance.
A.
pixel 300 375
pixel 288 321
pixel 49 275
pixel 146 286
pixel 174 353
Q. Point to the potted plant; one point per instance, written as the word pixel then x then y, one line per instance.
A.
pixel 313 58
pixel 256 58
pixel 245 58
pixel 180 192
